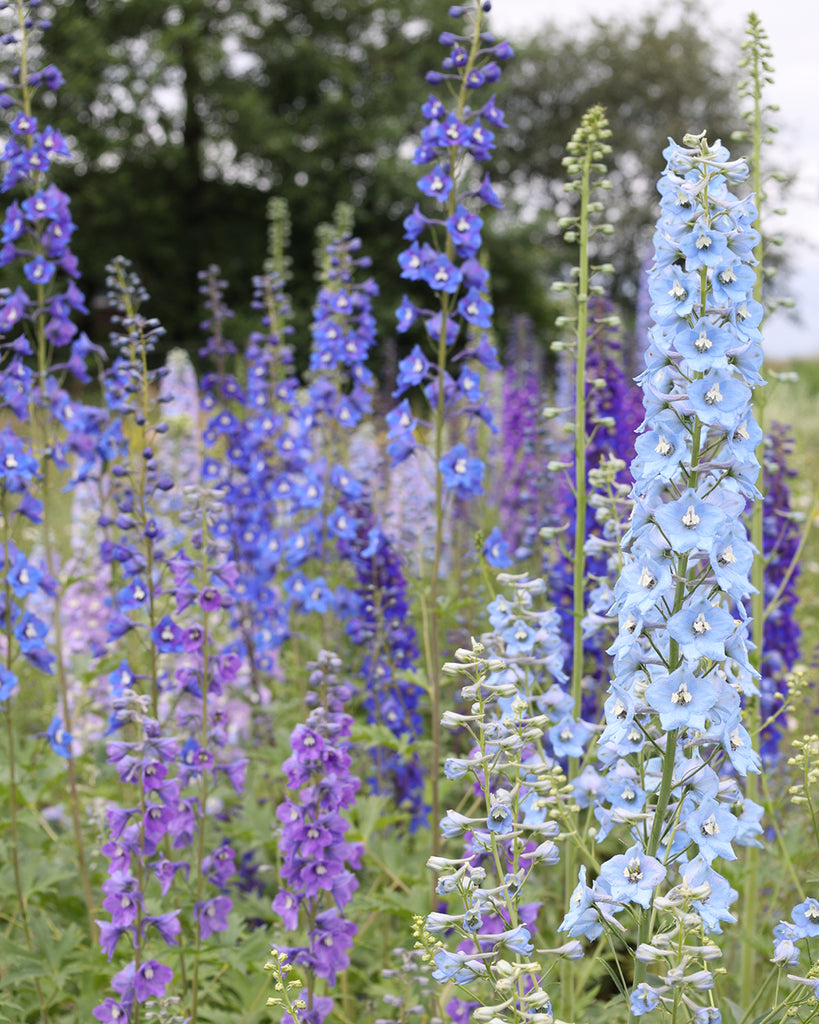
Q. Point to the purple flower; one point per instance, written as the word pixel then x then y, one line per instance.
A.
pixel 212 915
pixel 111 1012
pixel 151 979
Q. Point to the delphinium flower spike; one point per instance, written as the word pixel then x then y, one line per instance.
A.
pixel 454 142
pixel 40 346
pixel 782 542
pixel 168 728
pixel 241 431
pixel 261 430
pixel 380 625
pixel 523 442
pixel 205 679
pixel 519 720
pixel 147 759
pixel 317 861
pixel 277 451
pixel 681 656
pixel 322 498
pixel 586 169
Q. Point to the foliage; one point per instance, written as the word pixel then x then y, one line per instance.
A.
pixel 196 794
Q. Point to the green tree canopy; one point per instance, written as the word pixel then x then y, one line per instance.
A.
pixel 185 117
pixel 657 77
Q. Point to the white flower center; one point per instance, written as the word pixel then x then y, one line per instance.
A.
pixel 632 871
pixel 681 695
pixel 691 520
pixel 713 394
pixel 647 579
pixel 709 827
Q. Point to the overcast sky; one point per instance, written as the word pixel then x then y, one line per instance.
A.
pixel 793 31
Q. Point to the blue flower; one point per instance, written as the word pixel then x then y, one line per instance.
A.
pixel 412 369
pixel 689 522
pixel 633 876
pixel 718 398
pixel 582 917
pixel 496 550
pixel 500 820
pixel 458 968
pixel 805 916
pixel 682 699
pixel 462 472
pixel 711 826
pixel 718 895
pixel 643 999
pixel 465 231
pixel 59 739
pixel 701 630
pixel 437 184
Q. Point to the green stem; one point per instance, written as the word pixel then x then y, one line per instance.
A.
pixel 750 910
pixel 568 976
pixel 430 610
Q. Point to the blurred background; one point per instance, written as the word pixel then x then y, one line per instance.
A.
pixel 186 117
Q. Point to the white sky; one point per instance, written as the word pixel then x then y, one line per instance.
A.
pixel 793 32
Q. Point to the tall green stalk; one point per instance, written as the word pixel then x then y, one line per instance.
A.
pixel 759 69
pixel 584 165
pixel 430 610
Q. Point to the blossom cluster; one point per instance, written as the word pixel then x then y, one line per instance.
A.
pixel 681 662
pixel 317 861
pixel 452 141
pixel 380 625
pixel 519 717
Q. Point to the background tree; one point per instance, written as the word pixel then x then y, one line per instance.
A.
pixel 657 76
pixel 186 116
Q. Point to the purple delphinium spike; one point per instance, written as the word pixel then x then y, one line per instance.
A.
pixel 132 547
pixel 380 626
pixel 781 631
pixel 522 442
pixel 317 862
pixel 217 346
pixel 179 749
